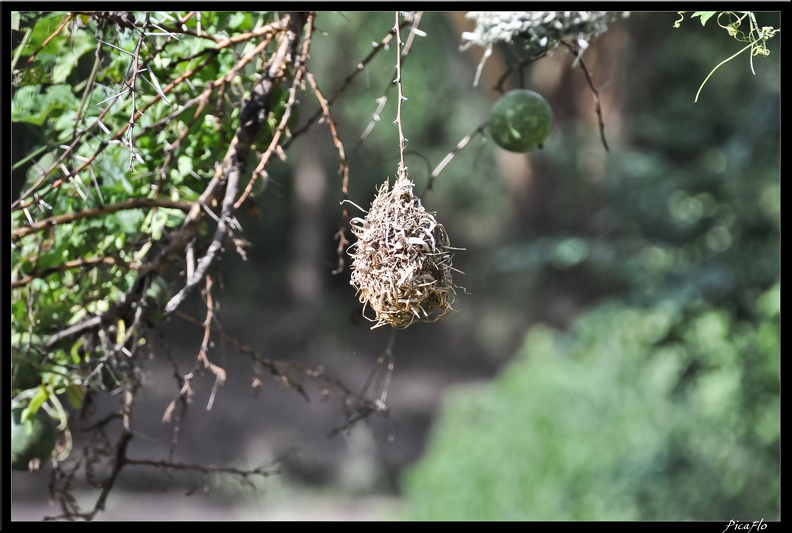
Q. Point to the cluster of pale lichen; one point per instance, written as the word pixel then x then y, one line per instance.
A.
pixel 401 262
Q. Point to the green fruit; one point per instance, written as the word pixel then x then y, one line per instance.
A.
pixel 33 439
pixel 521 120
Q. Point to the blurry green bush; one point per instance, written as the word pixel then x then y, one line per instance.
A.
pixel 635 414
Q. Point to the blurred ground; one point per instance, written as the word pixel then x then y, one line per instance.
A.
pixel 276 504
pixel 350 476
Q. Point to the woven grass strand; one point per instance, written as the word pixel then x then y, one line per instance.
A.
pixel 401 265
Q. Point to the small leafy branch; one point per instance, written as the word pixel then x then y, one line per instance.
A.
pixel 731 22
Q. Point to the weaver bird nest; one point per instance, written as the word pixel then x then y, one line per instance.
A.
pixel 401 265
pixel 535 31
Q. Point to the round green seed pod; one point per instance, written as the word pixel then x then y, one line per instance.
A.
pixel 521 120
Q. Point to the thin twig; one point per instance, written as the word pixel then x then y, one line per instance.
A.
pixel 46 41
pixel 402 167
pixel 382 100
pixel 343 170
pixel 134 69
pixel 518 66
pixel 119 461
pixel 275 143
pixel 264 471
pixel 203 356
pixel 286 371
pixel 595 92
pixel 378 406
pixel 382 45
pixel 449 156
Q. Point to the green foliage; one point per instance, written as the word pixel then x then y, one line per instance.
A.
pixel 98 147
pixel 731 21
pixel 28 105
pixel 635 414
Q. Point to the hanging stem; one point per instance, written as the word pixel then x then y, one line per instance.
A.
pixel 402 168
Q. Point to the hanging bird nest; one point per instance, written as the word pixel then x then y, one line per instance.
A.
pixel 537 31
pixel 401 265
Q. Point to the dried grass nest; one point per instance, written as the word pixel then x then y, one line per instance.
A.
pixel 401 264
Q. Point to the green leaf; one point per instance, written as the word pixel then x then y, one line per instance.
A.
pixel 74 395
pixel 66 62
pixel 158 220
pixel 237 20
pixel 66 121
pixel 704 15
pixel 35 403
pixel 26 106
pixel 185 165
pixel 129 220
pixel 55 256
pixel 74 352
pixel 30 105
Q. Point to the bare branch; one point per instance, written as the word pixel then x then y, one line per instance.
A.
pixel 119 461
pixel 343 170
pixel 228 173
pixel 403 54
pixel 275 142
pixel 363 410
pixel 594 92
pixel 292 373
pixel 449 156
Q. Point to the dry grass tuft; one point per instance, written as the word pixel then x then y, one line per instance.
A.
pixel 401 265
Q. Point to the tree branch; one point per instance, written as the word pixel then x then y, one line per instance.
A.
pixel 253 115
pixel 133 203
pixel 594 92
pixel 68 265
